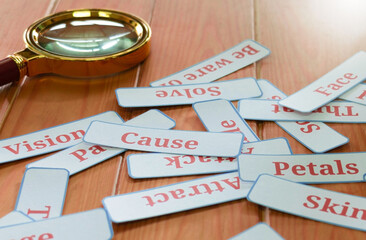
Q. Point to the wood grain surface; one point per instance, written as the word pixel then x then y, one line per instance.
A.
pixel 306 38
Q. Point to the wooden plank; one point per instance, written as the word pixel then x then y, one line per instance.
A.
pixel 185 33
pixel 13 23
pixel 307 40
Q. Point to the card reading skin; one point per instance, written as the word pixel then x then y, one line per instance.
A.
pixel 306 168
pixel 42 192
pixel 85 155
pixel 50 139
pixel 356 94
pixel 13 218
pixel 221 116
pixel 165 141
pixel 231 60
pixel 337 111
pixel 187 94
pixel 331 207
pixel 150 165
pixel 316 136
pixel 258 232
pixel 177 197
pixel 91 225
pixel 330 86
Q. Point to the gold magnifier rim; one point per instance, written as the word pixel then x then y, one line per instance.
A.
pixel 141 27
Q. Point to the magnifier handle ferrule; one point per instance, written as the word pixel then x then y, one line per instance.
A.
pixel 9 71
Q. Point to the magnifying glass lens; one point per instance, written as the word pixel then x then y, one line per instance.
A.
pixel 87 38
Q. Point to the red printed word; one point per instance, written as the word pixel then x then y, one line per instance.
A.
pixel 231 125
pixel 338 111
pixel 134 138
pixel 189 93
pixel 362 96
pixel 83 154
pixel 44 236
pixel 45 212
pixel 314 169
pixel 191 191
pixel 339 83
pixel 309 127
pixel 218 64
pixel 48 141
pixel 179 160
pixel 327 205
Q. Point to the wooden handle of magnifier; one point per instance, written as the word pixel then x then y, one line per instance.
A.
pixel 9 71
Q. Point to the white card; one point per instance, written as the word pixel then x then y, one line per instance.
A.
pixel 258 232
pixel 306 168
pixel 168 141
pixel 356 94
pixel 91 225
pixel 316 136
pixel 14 217
pixel 330 86
pixel 150 165
pixel 187 94
pixel 309 202
pixel 50 139
pixel 42 192
pixel 177 197
pixel 85 155
pixel 337 111
pixel 221 116
pixel 231 60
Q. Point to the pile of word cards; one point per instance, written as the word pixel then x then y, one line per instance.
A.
pixel 245 167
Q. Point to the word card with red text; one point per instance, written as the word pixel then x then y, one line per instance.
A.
pixel 187 94
pixel 221 116
pixel 316 136
pixel 177 197
pixel 150 165
pixel 356 94
pixel 42 192
pixel 331 207
pixel 50 139
pixel 330 86
pixel 231 60
pixel 85 155
pixel 165 141
pixel 92 225
pixel 258 231
pixel 13 218
pixel 306 168
pixel 337 111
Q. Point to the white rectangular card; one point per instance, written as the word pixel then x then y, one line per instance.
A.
pixel 221 116
pixel 356 94
pixel 91 225
pixel 330 86
pixel 177 197
pixel 13 218
pixel 231 60
pixel 42 192
pixel 167 141
pixel 337 111
pixel 316 136
pixel 187 94
pixel 85 155
pixel 50 139
pixel 306 168
pixel 258 232
pixel 309 202
pixel 150 165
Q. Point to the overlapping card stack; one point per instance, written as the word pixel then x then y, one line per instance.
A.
pixel 245 166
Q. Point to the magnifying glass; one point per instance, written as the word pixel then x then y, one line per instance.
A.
pixel 79 43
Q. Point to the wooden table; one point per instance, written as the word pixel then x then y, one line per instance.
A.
pixel 307 39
